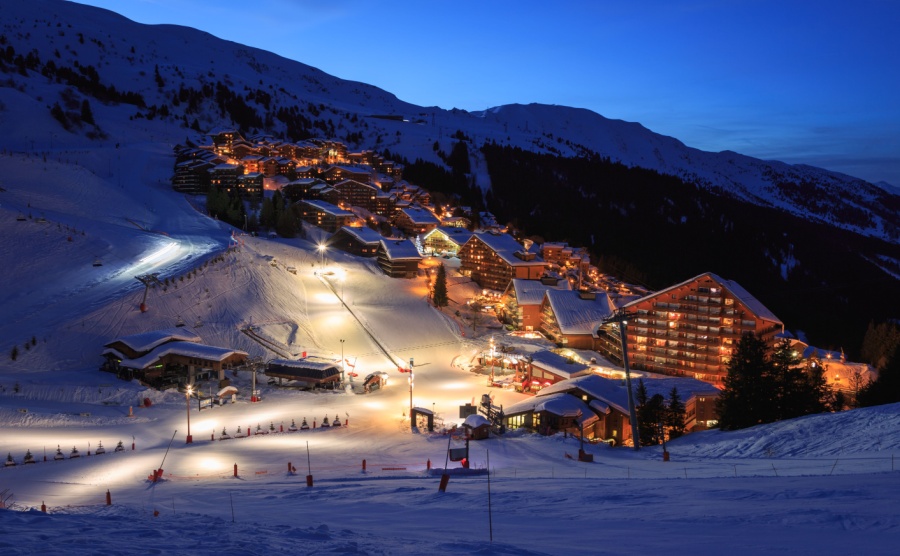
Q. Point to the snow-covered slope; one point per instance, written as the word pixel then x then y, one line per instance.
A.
pixel 161 62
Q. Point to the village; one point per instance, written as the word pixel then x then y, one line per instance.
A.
pixel 678 341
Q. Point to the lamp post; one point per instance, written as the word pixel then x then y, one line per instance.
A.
pixel 343 369
pixel 492 361
pixel 187 402
pixel 322 255
pixel 410 387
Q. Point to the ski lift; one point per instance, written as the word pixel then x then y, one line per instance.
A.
pixel 20 218
pixel 98 262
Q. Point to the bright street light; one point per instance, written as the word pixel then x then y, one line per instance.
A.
pixel 187 401
pixel 322 249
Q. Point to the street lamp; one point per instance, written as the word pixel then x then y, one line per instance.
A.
pixel 322 255
pixel 342 361
pixel 410 387
pixel 492 360
pixel 187 401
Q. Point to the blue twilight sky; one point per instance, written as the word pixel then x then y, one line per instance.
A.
pixel 814 82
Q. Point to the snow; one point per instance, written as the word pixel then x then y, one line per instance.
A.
pixel 824 483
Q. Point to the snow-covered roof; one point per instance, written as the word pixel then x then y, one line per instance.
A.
pixel 420 216
pixel 733 288
pixel 560 404
pixel 575 315
pixel 558 365
pixel 506 246
pixel 531 292
pixel 302 369
pixel 146 341
pixel 459 236
pixel 328 208
pixel 398 249
pixel 476 420
pixel 363 234
pixel 185 349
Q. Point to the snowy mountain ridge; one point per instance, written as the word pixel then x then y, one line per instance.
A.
pixel 186 76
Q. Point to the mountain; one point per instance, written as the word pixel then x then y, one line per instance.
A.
pixel 92 94
pixel 180 75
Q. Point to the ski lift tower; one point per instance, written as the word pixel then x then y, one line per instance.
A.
pixel 621 317
pixel 149 280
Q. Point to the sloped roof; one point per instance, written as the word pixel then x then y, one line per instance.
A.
pixel 576 315
pixel 562 405
pixel 301 369
pixel 531 292
pixel 558 365
pixel 613 392
pixel 459 236
pixel 363 234
pixel 733 288
pixel 506 246
pixel 420 216
pixel 186 349
pixel 397 249
pixel 327 207
pixel 146 341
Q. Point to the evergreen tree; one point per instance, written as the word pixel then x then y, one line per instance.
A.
pixel 651 416
pixel 886 388
pixel 87 115
pixel 675 414
pixel 789 395
pixel 744 400
pixel 288 224
pixel 439 296
pixel 267 214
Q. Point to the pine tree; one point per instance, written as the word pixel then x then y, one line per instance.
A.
pixel 744 400
pixel 439 295
pixel 886 388
pixel 675 414
pixel 87 115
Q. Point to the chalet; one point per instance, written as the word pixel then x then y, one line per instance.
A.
pixel 241 149
pixel 545 368
pixel 336 174
pixel 566 256
pixel 192 176
pixel 690 329
pixel 362 242
pixel 840 374
pixel 477 427
pixel 444 240
pixel 520 304
pixel 164 358
pixel 223 140
pixel 455 222
pixel 250 186
pixel 415 221
pixel 493 259
pixel 399 258
pixel 604 405
pixel 224 177
pixel 364 195
pixel 313 374
pixel 300 189
pixel 251 162
pixel 324 215
pixel 571 318
pixel 306 172
pixel 551 414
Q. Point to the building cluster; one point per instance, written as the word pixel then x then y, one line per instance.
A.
pixel 688 331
